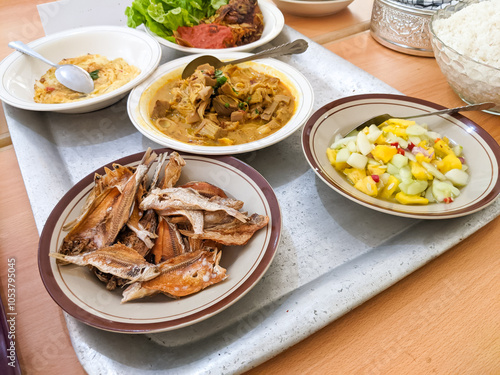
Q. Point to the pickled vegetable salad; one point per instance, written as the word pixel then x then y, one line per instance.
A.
pixel 402 161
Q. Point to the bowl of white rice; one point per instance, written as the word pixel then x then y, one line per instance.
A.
pixel 465 38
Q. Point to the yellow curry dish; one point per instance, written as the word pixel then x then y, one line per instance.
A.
pixel 107 75
pixel 230 106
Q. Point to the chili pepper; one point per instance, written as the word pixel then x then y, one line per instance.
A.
pixel 375 177
pixel 401 151
pixel 410 146
pixel 395 144
pixel 448 200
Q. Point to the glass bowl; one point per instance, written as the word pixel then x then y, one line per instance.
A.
pixel 473 81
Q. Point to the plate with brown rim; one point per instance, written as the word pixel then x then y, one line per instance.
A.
pixel 85 298
pixel 481 152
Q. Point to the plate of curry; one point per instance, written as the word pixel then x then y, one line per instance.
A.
pixel 236 109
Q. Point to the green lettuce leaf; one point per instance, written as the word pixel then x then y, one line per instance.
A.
pixel 162 17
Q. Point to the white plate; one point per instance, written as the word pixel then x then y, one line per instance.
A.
pixel 273 24
pixel 18 72
pixel 138 104
pixel 81 295
pixel 481 151
pixel 306 8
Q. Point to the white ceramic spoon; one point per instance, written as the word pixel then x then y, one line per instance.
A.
pixel 71 76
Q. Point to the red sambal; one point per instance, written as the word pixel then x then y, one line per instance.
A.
pixel 207 35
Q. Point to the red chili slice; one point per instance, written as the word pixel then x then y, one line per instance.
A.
pixel 375 177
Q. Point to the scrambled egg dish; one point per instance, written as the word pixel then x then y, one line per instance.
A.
pixel 107 76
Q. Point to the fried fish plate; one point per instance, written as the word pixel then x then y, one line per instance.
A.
pixel 152 236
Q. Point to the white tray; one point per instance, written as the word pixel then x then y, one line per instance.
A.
pixel 334 254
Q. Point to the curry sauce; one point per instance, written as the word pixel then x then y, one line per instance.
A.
pixel 231 106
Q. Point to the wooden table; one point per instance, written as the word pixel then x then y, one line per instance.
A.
pixel 443 318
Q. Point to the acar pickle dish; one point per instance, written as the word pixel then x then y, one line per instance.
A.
pixel 401 161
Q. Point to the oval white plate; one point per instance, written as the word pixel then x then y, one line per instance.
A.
pixel 481 152
pixel 18 72
pixel 140 97
pixel 81 295
pixel 308 8
pixel 273 24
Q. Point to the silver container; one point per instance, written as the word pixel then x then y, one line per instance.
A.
pixel 401 27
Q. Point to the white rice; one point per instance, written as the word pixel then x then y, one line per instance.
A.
pixel 474 32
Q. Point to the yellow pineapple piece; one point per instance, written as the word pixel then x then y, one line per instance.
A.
pixel 384 153
pixel 396 130
pixel 400 122
pixel 449 162
pixel 421 157
pixel 389 188
pixel 376 169
pixel 380 140
pixel 410 199
pixel 367 186
pixel 331 154
pixel 397 127
pixel 442 148
pixel 422 144
pixel 419 172
pixel 354 175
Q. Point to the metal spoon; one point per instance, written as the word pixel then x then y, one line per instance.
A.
pixel 71 76
pixel 295 47
pixel 377 120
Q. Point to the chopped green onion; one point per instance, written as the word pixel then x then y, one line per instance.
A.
pixel 95 74
pixel 220 77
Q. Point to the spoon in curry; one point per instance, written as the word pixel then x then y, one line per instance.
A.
pixel 295 47
pixel 377 120
pixel 71 76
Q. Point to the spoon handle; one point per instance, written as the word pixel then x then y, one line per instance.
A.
pixel 21 47
pixel 295 47
pixel 472 107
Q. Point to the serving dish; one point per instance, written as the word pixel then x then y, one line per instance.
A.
pixel 472 80
pixel 80 294
pixel 311 8
pixel 139 99
pixel 401 27
pixel 361 253
pixel 18 72
pixel 481 151
pixel 273 24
